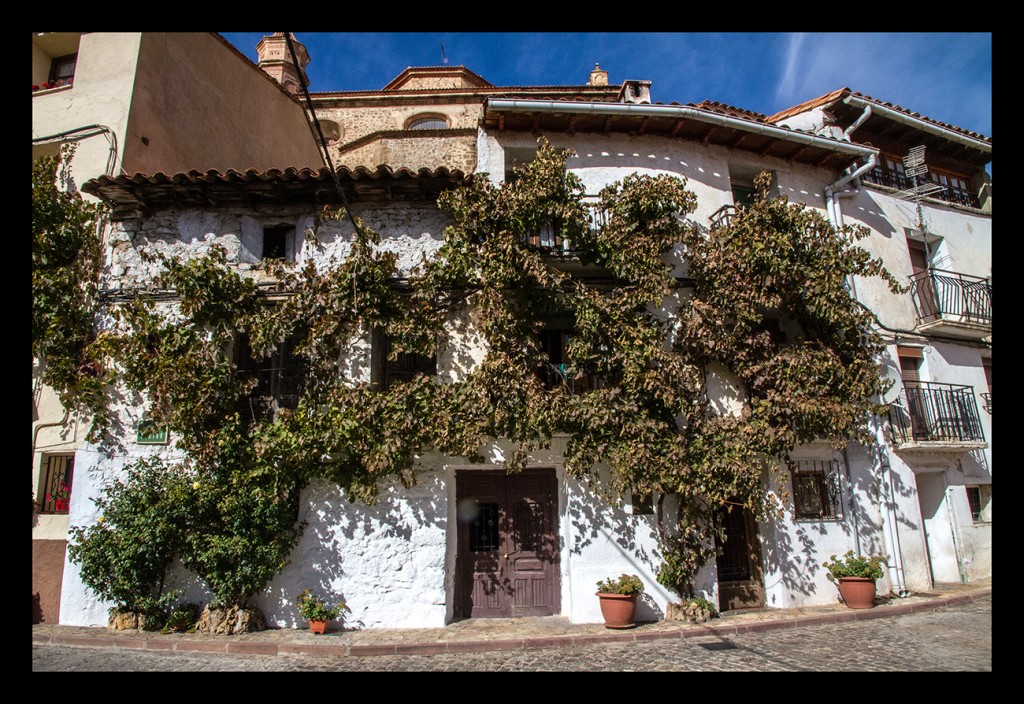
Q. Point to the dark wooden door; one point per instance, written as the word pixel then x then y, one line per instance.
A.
pixel 910 369
pixel 740 575
pixel 507 560
pixel 927 301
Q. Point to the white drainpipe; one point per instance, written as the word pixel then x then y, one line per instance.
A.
pixel 890 530
pixel 920 124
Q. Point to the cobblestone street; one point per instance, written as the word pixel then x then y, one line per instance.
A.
pixel 957 638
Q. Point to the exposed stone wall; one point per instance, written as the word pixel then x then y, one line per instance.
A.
pixel 412 152
pixel 356 122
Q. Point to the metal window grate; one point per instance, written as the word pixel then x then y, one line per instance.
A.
pixel 57 476
pixel 816 491
pixel 974 499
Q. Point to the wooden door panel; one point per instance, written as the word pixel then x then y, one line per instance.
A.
pixel 507 564
pixel 740 575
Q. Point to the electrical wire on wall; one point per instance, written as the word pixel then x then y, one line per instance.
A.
pixel 79 133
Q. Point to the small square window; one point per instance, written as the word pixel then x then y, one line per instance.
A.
pixel 816 492
pixel 58 471
pixel 404 367
pixel 641 504
pixel 279 242
pixel 62 70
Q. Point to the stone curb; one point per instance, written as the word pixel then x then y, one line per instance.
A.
pixel 480 646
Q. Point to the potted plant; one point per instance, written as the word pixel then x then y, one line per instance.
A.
pixel 618 600
pixel 62 499
pixel 317 612
pixel 855 576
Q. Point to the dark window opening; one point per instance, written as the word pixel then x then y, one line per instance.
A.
pixel 280 378
pixel 404 367
pixel 974 499
pixel 557 371
pixel 816 489
pixel 62 70
pixel 642 504
pixel 742 195
pixel 58 471
pixel 275 241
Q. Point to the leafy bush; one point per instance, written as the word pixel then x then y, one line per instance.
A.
pixel 626 584
pixel 124 557
pixel 851 565
pixel 314 609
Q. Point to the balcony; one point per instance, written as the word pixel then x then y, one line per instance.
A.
pixel 722 217
pixel 555 376
pixel 549 241
pixel 935 416
pixel 950 192
pixel 952 304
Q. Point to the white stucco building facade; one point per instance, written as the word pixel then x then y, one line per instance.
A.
pixel 923 501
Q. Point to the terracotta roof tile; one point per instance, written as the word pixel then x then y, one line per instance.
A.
pixel 290 173
pixel 842 93
pixel 946 125
pixel 730 110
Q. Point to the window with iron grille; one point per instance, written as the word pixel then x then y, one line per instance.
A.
pixel 405 366
pixel 816 492
pixel 427 122
pixel 978 498
pixel 56 487
pixel 280 378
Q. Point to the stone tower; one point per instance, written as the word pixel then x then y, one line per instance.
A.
pixel 276 61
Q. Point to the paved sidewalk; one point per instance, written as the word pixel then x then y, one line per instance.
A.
pixel 482 635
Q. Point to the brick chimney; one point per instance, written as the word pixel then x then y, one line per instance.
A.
pixel 598 77
pixel 276 61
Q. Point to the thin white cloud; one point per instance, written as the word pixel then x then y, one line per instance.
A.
pixel 794 60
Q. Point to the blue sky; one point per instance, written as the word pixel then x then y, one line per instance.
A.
pixel 944 76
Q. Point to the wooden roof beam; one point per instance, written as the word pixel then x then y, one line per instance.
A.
pixel 737 140
pixel 795 153
pixel 536 123
pixel 643 125
pixel 572 123
pixel 501 122
pixel 678 126
pixel 706 135
pixel 767 146
pixel 607 124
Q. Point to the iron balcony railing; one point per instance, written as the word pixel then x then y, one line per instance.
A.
pixel 553 376
pixel 549 241
pixel 987 398
pixel 893 179
pixel 947 294
pixel 934 412
pixel 722 217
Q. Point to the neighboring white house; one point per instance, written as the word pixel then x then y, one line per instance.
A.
pixel 923 500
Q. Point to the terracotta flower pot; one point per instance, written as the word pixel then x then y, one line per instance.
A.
pixel 317 627
pixel 618 610
pixel 857 592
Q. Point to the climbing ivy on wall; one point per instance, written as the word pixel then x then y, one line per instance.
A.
pixel 66 261
pixel 647 336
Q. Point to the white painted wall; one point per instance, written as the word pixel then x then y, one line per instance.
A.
pixel 394 562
